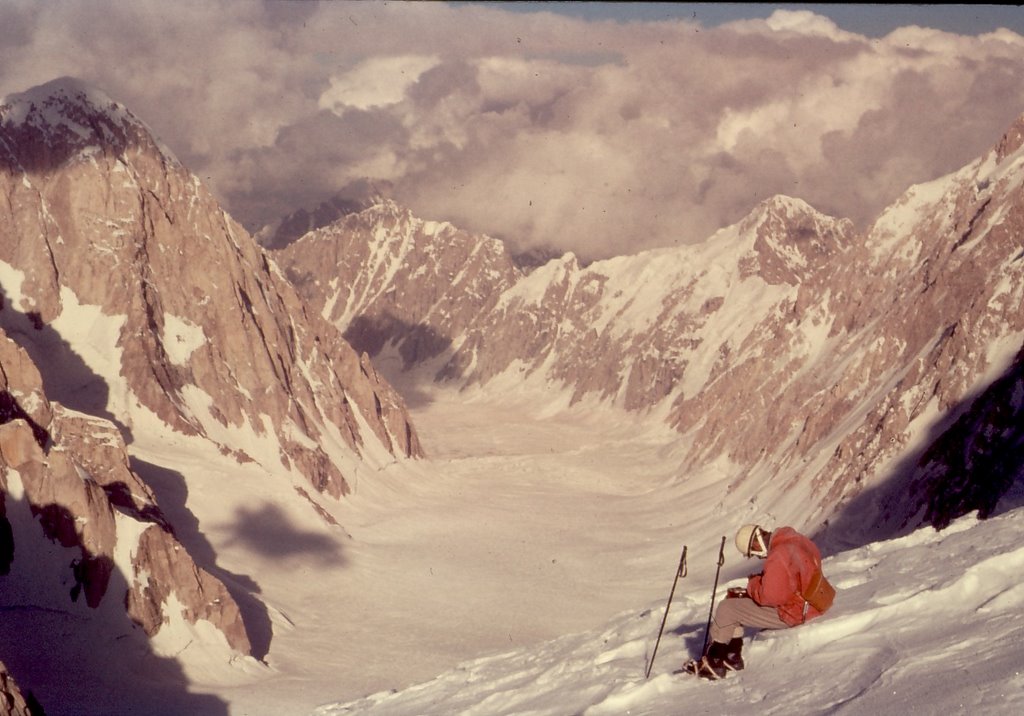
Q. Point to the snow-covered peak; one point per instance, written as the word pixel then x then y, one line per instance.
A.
pixel 788 209
pixel 792 238
pixel 68 116
pixel 63 89
pixel 61 103
pixel 383 206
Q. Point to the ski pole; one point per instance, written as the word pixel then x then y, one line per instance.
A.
pixel 721 561
pixel 680 572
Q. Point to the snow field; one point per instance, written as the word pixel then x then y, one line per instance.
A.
pixel 928 623
pixel 486 546
pixel 523 568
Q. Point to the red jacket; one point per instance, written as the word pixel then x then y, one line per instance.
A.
pixel 792 562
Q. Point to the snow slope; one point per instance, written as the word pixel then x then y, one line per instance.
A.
pixel 536 542
pixel 525 572
pixel 528 572
pixel 927 623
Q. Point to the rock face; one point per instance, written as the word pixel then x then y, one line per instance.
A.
pixel 980 457
pixel 128 300
pixel 209 336
pixel 74 472
pixel 789 345
pixel 925 332
pixel 626 329
pixel 386 276
pixel 12 702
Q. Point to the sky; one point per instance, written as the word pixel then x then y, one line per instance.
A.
pixel 598 128
pixel 871 20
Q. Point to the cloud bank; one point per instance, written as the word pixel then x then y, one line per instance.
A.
pixel 547 131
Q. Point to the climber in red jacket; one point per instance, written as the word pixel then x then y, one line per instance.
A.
pixel 789 591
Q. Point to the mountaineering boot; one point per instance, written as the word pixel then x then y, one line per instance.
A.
pixel 712 664
pixel 734 655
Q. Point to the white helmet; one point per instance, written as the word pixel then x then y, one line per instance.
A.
pixel 750 541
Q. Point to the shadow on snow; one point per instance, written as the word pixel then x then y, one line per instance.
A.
pixel 81 656
pixel 973 460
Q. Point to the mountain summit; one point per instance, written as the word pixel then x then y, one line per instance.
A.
pixel 788 367
pixel 205 333
pixel 47 125
pixel 135 312
pixel 788 345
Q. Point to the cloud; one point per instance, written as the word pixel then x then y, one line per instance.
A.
pixel 599 137
pixel 803 21
pixel 375 82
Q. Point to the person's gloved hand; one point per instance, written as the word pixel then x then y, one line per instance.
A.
pixel 736 593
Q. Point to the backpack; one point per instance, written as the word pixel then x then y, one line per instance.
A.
pixel 819 593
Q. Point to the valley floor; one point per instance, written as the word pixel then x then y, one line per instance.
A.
pixel 527 569
pixel 517 528
pixel 523 567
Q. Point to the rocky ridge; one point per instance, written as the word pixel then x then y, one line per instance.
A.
pixel 353 198
pixel 384 275
pixel 12 701
pixel 72 473
pixel 626 329
pixel 210 337
pixel 130 302
pixel 789 345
